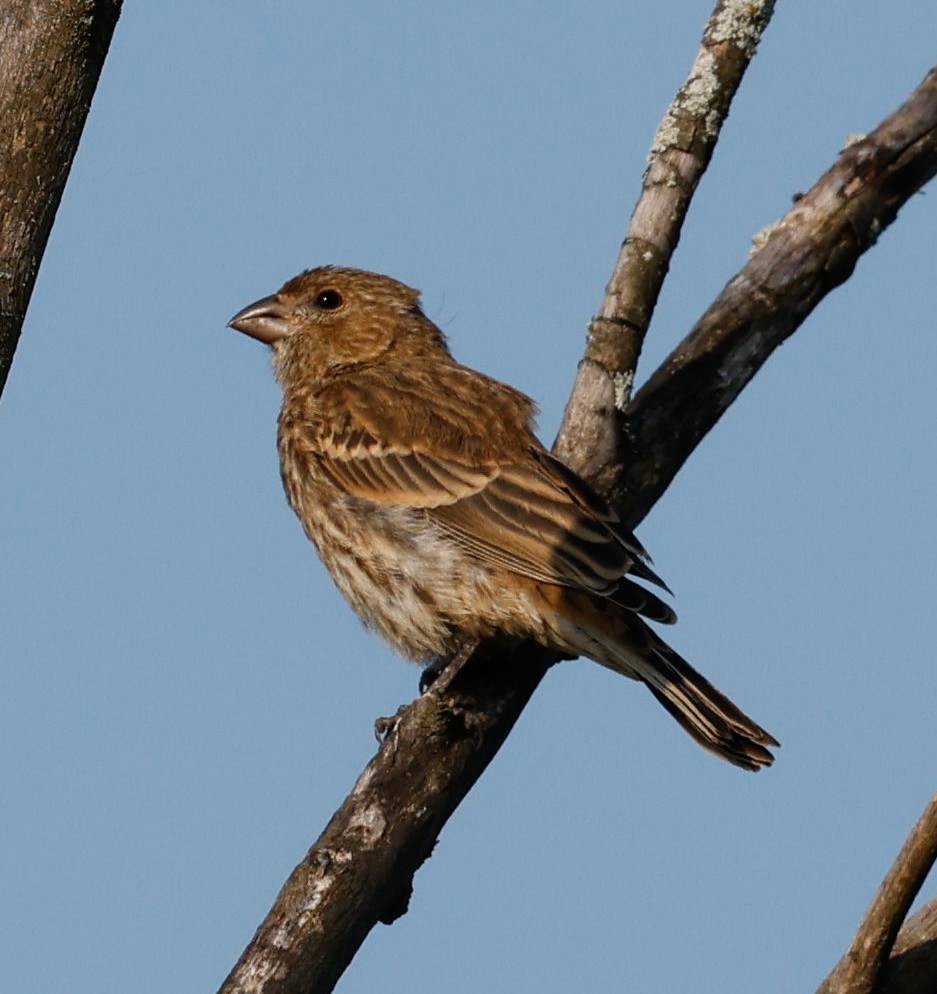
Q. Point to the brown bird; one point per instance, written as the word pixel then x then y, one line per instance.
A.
pixel 439 514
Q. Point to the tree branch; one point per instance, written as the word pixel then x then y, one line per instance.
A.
pixel 863 965
pixel 360 870
pixel 912 966
pixel 51 54
pixel 809 252
pixel 681 151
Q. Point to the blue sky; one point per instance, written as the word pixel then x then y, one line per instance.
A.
pixel 187 699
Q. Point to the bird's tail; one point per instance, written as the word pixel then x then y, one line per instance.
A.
pixel 623 642
pixel 703 711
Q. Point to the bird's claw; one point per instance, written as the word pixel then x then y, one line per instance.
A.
pixel 384 726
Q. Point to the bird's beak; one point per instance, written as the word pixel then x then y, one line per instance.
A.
pixel 265 320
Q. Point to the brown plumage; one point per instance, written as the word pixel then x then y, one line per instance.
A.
pixel 440 515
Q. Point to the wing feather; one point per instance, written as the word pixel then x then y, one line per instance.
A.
pixel 469 460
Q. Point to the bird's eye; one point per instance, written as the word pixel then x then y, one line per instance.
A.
pixel 329 300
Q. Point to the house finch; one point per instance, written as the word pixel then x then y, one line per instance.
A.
pixel 439 514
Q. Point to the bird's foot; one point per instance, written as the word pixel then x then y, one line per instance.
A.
pixel 384 727
pixel 442 670
pixel 431 672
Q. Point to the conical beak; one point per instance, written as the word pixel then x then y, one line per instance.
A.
pixel 265 320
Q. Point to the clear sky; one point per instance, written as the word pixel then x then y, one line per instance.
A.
pixel 186 698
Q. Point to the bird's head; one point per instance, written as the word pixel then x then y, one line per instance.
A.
pixel 335 317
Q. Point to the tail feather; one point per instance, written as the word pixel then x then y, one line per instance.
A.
pixel 703 711
pixel 621 641
pixel 639 599
pixel 706 713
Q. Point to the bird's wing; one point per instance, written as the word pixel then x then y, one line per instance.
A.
pixel 395 438
pixel 521 519
pixel 539 519
pixel 470 462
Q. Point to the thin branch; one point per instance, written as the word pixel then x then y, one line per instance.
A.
pixel 51 54
pixel 360 870
pixel 862 967
pixel 679 155
pixel 912 966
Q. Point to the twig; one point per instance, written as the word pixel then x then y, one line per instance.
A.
pixel 860 969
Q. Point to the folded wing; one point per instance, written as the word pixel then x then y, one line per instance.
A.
pixel 493 488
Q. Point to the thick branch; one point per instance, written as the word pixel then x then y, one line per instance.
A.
pixel 680 153
pixel 862 967
pixel 360 870
pixel 51 54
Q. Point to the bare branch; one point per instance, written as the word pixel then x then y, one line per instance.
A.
pixel 51 54
pixel 912 967
pixel 360 870
pixel 808 253
pixel 679 155
pixel 862 966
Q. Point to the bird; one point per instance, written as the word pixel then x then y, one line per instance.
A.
pixel 441 517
